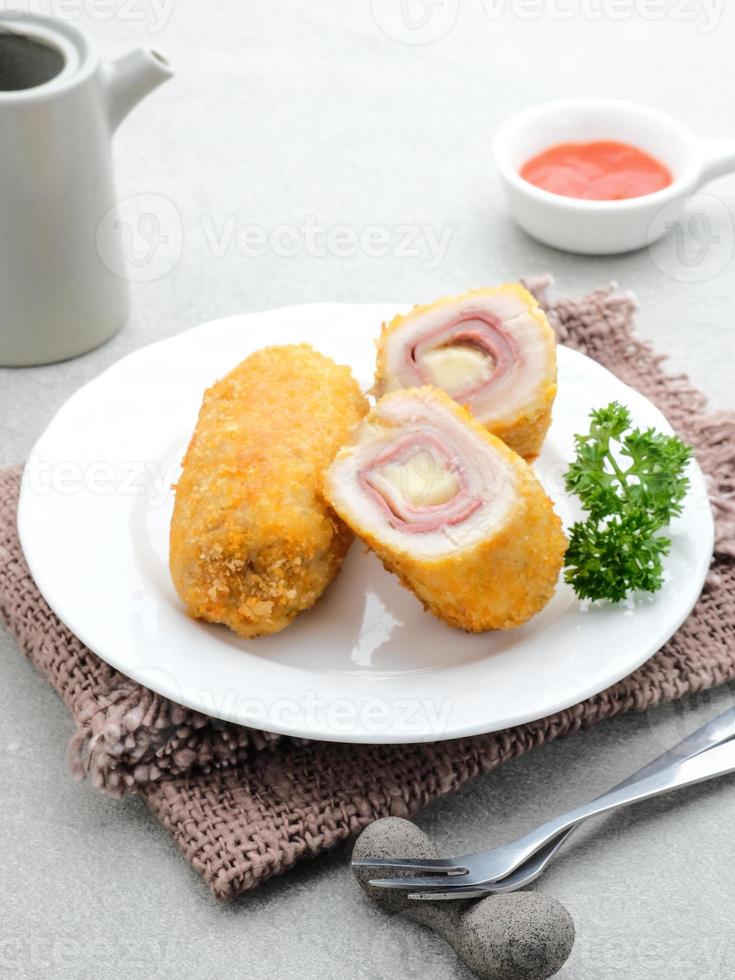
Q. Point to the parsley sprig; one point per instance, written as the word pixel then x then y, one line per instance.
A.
pixel 631 482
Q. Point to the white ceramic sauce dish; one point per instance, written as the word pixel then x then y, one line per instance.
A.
pixel 604 227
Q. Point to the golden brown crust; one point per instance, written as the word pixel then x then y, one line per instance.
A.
pixel 252 541
pixel 526 432
pixel 501 581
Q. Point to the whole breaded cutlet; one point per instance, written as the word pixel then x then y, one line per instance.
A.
pixel 252 541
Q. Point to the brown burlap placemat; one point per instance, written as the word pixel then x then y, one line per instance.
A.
pixel 245 805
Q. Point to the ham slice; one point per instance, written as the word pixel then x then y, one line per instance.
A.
pixel 420 484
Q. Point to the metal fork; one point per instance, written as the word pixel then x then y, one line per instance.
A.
pixel 707 753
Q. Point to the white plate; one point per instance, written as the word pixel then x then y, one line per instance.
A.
pixel 366 664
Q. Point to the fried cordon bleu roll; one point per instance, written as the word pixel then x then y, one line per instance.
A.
pixel 457 515
pixel 492 350
pixel 253 543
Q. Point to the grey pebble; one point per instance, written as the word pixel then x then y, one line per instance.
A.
pixel 518 936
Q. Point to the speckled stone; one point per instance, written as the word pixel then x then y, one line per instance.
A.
pixel 519 936
pixel 387 838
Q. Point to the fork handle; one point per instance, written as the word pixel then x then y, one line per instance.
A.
pixel 715 732
pixel 718 761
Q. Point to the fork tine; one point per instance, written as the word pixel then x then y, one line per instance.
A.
pixel 437 883
pixel 439 866
pixel 454 894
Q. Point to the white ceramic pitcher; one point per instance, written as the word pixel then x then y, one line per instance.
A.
pixel 59 107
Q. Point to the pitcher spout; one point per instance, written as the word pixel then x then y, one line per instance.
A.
pixel 130 78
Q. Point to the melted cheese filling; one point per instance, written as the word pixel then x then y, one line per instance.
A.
pixel 422 480
pixel 457 368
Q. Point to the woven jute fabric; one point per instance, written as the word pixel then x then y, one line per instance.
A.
pixel 244 805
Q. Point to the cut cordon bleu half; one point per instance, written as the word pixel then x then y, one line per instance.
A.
pixel 447 506
pixel 492 350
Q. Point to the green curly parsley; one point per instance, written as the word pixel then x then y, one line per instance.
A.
pixel 632 483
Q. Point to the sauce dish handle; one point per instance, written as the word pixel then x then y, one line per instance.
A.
pixel 718 158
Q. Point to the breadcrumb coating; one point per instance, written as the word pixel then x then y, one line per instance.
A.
pixel 525 435
pixel 498 582
pixel 253 542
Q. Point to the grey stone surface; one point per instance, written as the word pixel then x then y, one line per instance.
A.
pixel 521 936
pixel 289 113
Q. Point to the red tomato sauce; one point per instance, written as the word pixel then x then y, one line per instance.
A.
pixel 599 171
